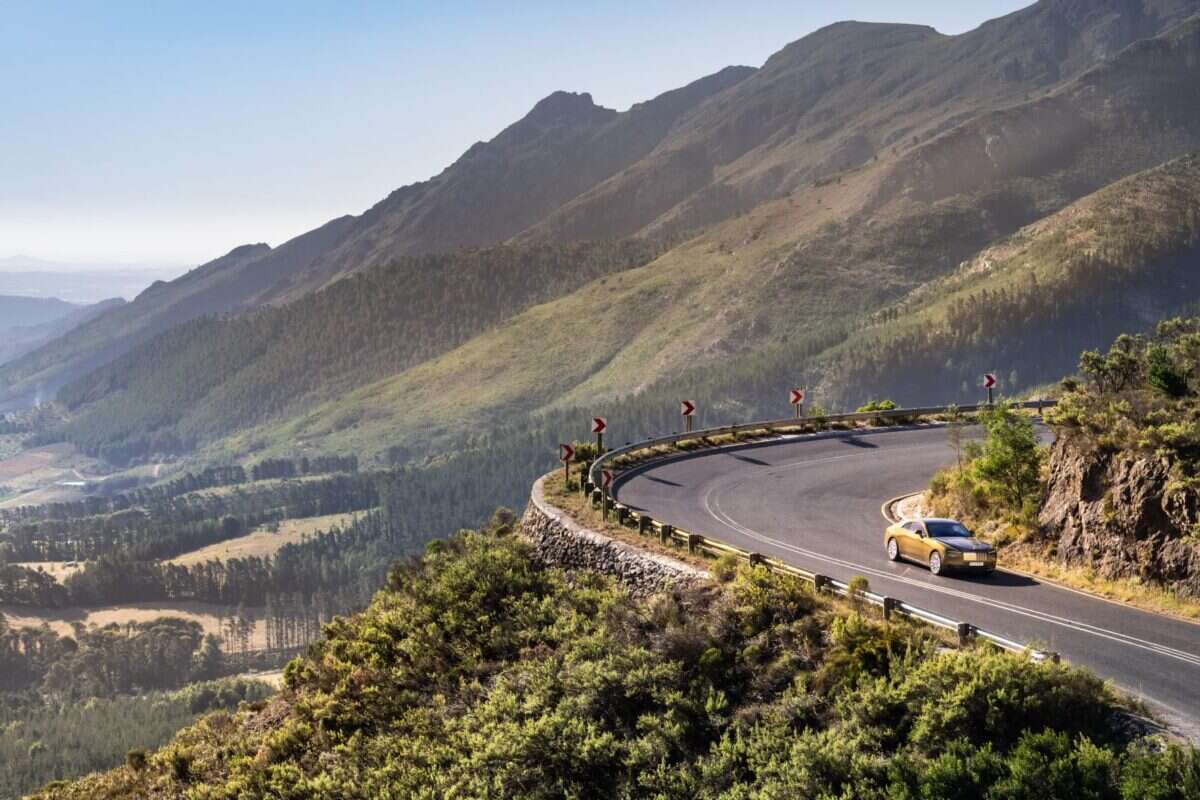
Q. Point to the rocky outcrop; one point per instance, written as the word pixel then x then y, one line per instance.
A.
pixel 562 542
pixel 1116 513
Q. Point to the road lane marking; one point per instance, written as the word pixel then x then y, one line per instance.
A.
pixel 712 506
pixel 1051 581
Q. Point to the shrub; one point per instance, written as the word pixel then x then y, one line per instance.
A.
pixel 136 760
pixel 725 568
pixel 877 405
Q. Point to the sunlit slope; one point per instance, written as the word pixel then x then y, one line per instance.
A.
pixel 807 268
pixel 790 277
pixel 1118 260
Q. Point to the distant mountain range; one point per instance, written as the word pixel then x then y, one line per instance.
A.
pixel 27 322
pixel 768 215
pixel 77 283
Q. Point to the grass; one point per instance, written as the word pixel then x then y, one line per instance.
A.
pixel 1034 560
pixel 264 542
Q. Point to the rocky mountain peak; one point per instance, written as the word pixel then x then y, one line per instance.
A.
pixel 572 108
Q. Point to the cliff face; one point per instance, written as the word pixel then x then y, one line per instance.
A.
pixel 1113 512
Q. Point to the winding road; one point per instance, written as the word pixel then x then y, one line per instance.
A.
pixel 815 502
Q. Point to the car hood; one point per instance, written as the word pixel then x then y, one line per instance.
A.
pixel 965 545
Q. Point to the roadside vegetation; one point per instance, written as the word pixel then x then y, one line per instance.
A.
pixel 995 484
pixel 1133 415
pixel 477 673
pixel 1142 396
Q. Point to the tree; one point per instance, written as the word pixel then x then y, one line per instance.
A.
pixel 1011 458
pixel 954 433
pixel 1162 374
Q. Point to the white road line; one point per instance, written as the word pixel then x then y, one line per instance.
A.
pixel 712 506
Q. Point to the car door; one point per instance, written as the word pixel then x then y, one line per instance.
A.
pixel 912 542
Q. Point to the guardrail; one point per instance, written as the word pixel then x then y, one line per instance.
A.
pixel 706 545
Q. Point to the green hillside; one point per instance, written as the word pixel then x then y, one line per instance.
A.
pixel 765 293
pixel 215 375
pixel 478 673
pixel 849 96
pixel 423 354
pixel 1119 260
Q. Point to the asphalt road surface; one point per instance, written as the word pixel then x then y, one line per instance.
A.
pixel 815 502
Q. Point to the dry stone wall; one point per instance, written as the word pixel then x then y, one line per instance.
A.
pixel 562 542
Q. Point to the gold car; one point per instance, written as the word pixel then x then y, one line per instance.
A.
pixel 943 544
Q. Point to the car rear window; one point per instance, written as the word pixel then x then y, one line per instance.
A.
pixel 946 530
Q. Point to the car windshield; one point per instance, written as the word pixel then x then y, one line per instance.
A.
pixel 946 530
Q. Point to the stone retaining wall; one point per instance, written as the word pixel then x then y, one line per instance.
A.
pixel 562 542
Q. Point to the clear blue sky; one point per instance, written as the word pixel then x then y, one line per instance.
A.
pixel 169 132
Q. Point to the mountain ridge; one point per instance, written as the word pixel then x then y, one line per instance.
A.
pixel 835 249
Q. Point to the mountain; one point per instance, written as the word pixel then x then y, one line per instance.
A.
pixel 1118 260
pixel 844 96
pixel 210 376
pixel 19 339
pixel 735 315
pixel 211 288
pixel 75 282
pixel 563 147
pixel 773 287
pixel 17 312
pixel 565 144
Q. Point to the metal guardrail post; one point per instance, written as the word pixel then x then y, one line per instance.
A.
pixel 889 608
pixel 822 583
pixel 622 515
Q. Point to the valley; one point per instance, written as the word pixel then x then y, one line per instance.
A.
pixel 306 459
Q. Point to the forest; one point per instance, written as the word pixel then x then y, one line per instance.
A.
pixel 749 687
pixel 163 528
pixel 201 378
pixel 45 741
pixel 1028 307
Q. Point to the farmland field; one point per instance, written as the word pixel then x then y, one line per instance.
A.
pixel 263 542
pixel 61 619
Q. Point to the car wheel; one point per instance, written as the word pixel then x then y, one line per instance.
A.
pixel 893 550
pixel 935 563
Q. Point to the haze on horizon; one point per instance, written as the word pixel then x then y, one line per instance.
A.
pixel 168 137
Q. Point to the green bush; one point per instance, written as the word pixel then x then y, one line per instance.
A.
pixel 877 405
pixel 477 673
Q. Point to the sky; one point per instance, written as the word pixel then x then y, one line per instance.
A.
pixel 167 133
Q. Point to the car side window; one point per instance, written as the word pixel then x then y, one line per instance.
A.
pixel 915 527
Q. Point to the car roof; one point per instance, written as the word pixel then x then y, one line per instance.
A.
pixel 942 519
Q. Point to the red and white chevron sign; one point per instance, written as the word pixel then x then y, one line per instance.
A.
pixel 797 397
pixel 565 452
pixel 599 424
pixel 687 407
pixel 606 479
pixel 989 381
